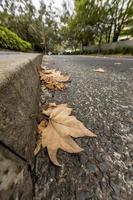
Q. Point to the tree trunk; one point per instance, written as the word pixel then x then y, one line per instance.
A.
pixel 116 34
pixel 109 34
pixel 99 44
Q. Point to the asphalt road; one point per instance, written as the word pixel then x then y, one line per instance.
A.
pixel 104 103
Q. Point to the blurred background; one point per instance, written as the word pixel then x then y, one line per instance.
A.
pixel 64 26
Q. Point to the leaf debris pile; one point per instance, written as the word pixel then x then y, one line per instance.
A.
pixel 53 79
pixel 57 132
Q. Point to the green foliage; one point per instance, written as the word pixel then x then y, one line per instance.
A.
pixel 125 50
pixel 98 22
pixel 92 22
pixel 37 26
pixel 10 40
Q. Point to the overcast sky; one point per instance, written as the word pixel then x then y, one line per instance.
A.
pixel 57 3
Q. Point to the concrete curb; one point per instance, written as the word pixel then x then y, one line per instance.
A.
pixel 19 89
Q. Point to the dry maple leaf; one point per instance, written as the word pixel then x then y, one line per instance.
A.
pixel 57 76
pixel 60 130
pixel 55 86
pixel 99 70
pixel 53 79
pixel 51 83
pixel 42 125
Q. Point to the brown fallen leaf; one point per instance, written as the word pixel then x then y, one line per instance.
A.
pixel 99 70
pixel 43 124
pixel 55 86
pixel 60 130
pixel 51 83
pixel 53 79
pixel 56 75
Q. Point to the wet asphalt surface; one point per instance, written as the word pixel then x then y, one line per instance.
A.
pixel 104 103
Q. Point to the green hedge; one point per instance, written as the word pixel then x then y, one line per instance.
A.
pixel 10 40
pixel 125 50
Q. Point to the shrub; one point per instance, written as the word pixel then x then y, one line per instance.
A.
pixel 125 50
pixel 10 40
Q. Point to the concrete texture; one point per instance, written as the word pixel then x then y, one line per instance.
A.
pixel 19 92
pixel 19 85
pixel 103 102
pixel 15 178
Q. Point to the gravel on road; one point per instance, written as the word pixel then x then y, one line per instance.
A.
pixel 104 103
